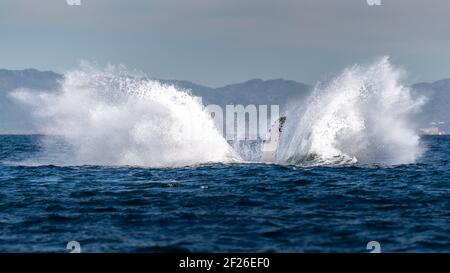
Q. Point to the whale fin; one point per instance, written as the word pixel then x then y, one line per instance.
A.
pixel 270 145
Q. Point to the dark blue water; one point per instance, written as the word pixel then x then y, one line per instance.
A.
pixel 224 208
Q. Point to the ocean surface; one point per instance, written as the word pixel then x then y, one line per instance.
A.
pixel 224 207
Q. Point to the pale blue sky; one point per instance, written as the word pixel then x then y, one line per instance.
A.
pixel 215 42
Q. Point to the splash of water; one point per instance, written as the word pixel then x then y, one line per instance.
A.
pixel 363 115
pixel 114 117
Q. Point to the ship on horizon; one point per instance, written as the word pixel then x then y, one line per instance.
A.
pixel 434 129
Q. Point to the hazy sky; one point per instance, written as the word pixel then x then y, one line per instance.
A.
pixel 216 42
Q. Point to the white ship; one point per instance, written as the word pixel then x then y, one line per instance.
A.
pixel 434 129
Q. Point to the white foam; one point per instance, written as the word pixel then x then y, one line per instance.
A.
pixel 363 115
pixel 111 118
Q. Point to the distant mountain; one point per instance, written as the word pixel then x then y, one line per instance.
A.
pixel 28 78
pixel 15 118
pixel 437 109
pixel 256 91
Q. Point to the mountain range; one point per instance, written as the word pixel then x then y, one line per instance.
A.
pixel 437 108
pixel 16 119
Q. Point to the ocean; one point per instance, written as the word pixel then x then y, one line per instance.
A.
pixel 223 207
